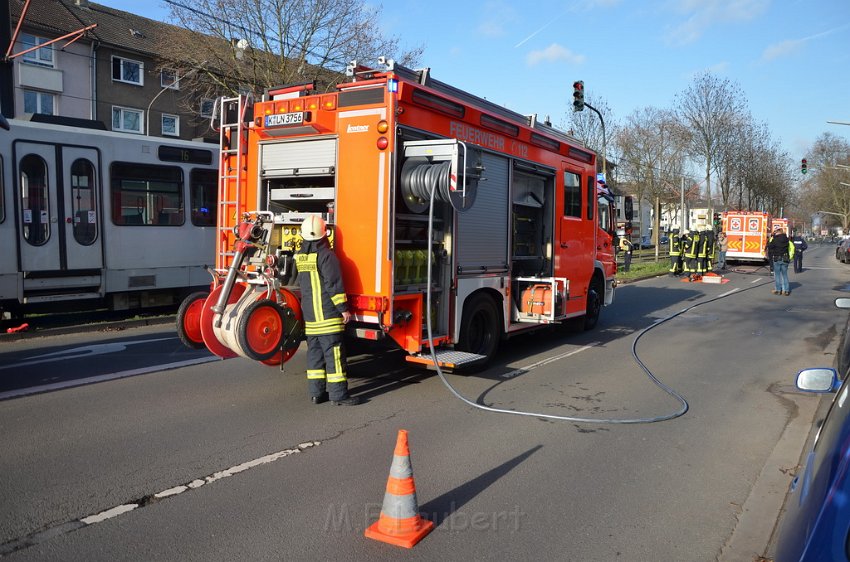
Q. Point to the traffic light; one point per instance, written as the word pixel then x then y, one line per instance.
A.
pixel 805 167
pixel 717 222
pixel 578 95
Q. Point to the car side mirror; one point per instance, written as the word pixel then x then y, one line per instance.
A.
pixel 842 302
pixel 820 379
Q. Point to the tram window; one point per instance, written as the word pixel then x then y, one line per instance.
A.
pixel 83 205
pixel 203 196
pixel 145 195
pixel 572 195
pixel 35 205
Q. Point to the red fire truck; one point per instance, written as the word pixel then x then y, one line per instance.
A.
pixel 430 194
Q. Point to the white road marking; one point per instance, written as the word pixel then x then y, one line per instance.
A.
pixel 102 378
pixel 77 352
pixel 113 512
pixel 523 370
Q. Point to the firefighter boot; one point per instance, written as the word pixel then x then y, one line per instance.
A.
pixel 321 399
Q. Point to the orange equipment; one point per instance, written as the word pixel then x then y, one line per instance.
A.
pixel 516 204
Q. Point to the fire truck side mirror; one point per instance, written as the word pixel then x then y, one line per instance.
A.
pixel 628 209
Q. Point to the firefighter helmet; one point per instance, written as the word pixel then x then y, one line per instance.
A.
pixel 313 228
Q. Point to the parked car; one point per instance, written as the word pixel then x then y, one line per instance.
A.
pixel 842 251
pixel 816 522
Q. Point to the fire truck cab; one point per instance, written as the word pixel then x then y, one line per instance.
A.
pixel 446 211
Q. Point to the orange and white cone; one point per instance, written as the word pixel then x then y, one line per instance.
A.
pixel 400 523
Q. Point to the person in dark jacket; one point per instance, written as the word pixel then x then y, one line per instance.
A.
pixel 780 252
pixel 325 309
pixel 799 246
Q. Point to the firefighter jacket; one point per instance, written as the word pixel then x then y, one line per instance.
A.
pixel 692 245
pixel 706 244
pixel 676 245
pixel 322 293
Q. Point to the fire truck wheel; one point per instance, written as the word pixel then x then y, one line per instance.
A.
pixel 259 330
pixel 594 304
pixel 189 320
pixel 479 328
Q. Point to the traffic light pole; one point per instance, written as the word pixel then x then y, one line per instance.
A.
pixel 604 142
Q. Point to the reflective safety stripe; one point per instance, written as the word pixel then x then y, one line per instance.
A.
pixel 315 373
pixel 331 326
pixel 338 299
pixel 339 374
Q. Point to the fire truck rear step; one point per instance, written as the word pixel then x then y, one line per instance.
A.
pixel 446 358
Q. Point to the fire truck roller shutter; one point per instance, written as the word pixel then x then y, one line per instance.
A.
pixel 482 248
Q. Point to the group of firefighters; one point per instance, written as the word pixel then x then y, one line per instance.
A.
pixel 692 253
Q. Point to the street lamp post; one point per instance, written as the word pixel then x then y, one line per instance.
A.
pixel 175 86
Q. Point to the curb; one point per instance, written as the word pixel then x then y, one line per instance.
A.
pixel 108 326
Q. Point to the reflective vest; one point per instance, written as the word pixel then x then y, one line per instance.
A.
pixel 675 245
pixel 692 248
pixel 323 297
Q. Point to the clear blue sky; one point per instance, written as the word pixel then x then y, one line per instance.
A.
pixel 791 58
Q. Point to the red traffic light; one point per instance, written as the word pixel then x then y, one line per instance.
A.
pixel 805 166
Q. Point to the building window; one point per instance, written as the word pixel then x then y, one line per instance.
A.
pixel 207 106
pixel 171 125
pixel 169 79
pixel 127 120
pixel 126 70
pixel 39 102
pixel 43 56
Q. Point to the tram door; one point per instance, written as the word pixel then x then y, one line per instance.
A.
pixel 59 207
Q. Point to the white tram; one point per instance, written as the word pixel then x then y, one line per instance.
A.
pixel 91 218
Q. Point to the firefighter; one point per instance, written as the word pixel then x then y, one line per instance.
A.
pixel 325 309
pixel 626 247
pixel 799 246
pixel 707 250
pixel 692 257
pixel 676 254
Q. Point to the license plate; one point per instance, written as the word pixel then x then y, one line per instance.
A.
pixel 283 119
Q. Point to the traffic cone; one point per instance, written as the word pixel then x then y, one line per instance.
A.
pixel 400 523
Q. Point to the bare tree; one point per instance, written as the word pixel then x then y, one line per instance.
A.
pixel 825 191
pixel 711 108
pixel 653 157
pixel 586 126
pixel 224 47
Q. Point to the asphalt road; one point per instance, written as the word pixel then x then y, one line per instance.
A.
pixel 227 460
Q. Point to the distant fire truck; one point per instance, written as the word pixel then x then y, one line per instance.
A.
pixel 520 234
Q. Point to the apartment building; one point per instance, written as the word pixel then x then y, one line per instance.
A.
pixel 106 68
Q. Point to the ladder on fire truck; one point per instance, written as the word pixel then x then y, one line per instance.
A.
pixel 234 114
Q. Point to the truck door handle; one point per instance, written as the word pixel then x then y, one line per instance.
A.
pixel 564 245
